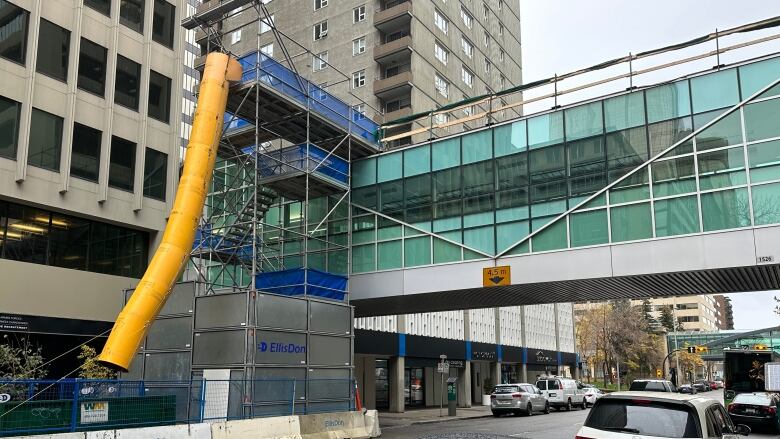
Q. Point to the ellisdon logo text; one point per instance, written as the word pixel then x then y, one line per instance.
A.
pixel 284 348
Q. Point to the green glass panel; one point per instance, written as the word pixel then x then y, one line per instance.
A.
pixel 764 160
pixel 337 262
pixel 510 233
pixel 674 177
pixel 477 146
pixel 408 231
pixel 631 222
pixel 316 244
pixel 662 135
pixel 389 167
pixel 509 139
pixel 318 261
pixel 469 255
pixel 762 120
pixel 364 172
pixel 584 121
pixel 538 223
pixel 389 255
pixel 714 90
pixel 417 251
pixel 363 236
pixel 318 208
pixel 676 216
pixel 520 249
pixel 388 232
pixel 721 169
pixel 417 160
pixel 548 208
pixel 454 235
pixel 444 251
pixel 626 111
pixel 599 201
pixel 445 154
pixel 442 225
pixel 626 150
pixel 481 238
pixel 363 258
pixel 754 77
pixel 587 166
pixel 589 228
pixel 725 132
pixel 725 209
pixel 551 238
pixel 668 102
pixel 546 129
pixel 632 188
pixel 766 204
pixel 478 219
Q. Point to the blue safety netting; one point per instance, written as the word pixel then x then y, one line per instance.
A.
pixel 232 122
pixel 298 158
pixel 302 281
pixel 205 239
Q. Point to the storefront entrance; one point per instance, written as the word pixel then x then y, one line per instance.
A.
pixel 414 386
pixel 382 374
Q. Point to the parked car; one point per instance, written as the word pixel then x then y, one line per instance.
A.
pixel 592 394
pixel 518 398
pixel 719 383
pixel 652 386
pixel 700 387
pixel 704 384
pixel 713 385
pixel 687 388
pixel 664 415
pixel 756 409
pixel 562 392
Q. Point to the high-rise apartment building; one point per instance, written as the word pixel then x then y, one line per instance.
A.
pixel 724 311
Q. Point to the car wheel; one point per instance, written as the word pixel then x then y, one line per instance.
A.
pixel 546 408
pixel 568 405
pixel 584 404
pixel 529 410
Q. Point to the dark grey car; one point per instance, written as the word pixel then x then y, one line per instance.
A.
pixel 518 398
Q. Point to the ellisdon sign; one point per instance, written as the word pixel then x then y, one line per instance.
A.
pixel 281 348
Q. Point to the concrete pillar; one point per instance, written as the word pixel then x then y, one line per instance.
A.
pixel 396 383
pixel 431 378
pixel 577 371
pixel 495 374
pixel 464 385
pixel 525 373
pixel 368 390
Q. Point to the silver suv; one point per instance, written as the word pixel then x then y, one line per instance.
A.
pixel 652 386
pixel 518 398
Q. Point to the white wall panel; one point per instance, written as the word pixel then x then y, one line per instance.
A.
pixel 380 323
pixel 482 325
pixel 448 324
pixel 540 326
pixel 511 332
pixel 566 327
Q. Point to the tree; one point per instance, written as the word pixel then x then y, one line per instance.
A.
pixel 647 311
pixel 666 319
pixel 90 368
pixel 688 361
pixel 19 359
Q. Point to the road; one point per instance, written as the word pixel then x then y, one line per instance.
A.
pixel 556 425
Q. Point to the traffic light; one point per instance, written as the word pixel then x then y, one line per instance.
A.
pixel 702 349
pixel 658 373
pixel 761 347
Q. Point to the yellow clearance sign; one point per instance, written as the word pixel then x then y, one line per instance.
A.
pixel 496 276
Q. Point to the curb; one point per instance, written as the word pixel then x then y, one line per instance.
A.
pixel 434 421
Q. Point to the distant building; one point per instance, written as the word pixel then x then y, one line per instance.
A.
pixel 725 312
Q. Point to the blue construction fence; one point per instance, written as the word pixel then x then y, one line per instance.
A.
pixel 302 281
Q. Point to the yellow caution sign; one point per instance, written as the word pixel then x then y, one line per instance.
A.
pixel 496 276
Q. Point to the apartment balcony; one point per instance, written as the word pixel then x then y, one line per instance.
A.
pixel 393 86
pixel 394 17
pixel 394 52
pixel 397 114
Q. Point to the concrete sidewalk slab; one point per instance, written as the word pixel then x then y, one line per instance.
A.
pixel 429 416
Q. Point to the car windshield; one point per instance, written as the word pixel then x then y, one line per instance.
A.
pixel 648 386
pixel 748 398
pixel 508 389
pixel 643 417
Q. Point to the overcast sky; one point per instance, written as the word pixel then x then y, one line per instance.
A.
pixel 560 36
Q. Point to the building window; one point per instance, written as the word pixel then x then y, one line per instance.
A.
pixel 440 53
pixel 53 49
pixel 468 48
pixel 500 29
pixel 268 49
pixel 13 32
pixel 319 4
pixel 320 61
pixel 359 79
pixel 486 39
pixel 320 30
pixel 162 23
pixel 467 76
pixel 85 159
pixel 485 11
pixel 131 14
pixel 359 14
pixel 102 6
pixel 266 23
pixel 155 174
pixel 121 168
pixel 358 112
pixel 440 21
pixel 358 46
pixel 440 119
pixel 468 20
pixel 92 67
pixel 128 78
pixel 9 127
pixel 235 36
pixel 442 86
pixel 45 140
pixel 502 82
pixel 501 55
pixel 488 66
pixel 159 96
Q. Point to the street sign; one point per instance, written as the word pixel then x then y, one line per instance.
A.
pixel 496 276
pixel 691 349
pixel 444 367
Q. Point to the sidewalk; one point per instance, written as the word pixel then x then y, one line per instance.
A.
pixel 429 416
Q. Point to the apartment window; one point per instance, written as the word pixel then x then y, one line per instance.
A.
pixel 121 168
pixel 440 53
pixel 442 86
pixel 358 112
pixel 128 79
pixel 319 4
pixel 359 14
pixel 467 76
pixel 102 6
pixel 488 66
pixel 92 67
pixel 320 30
pixel 268 49
pixel 486 39
pixel 358 46
pixel 320 61
pixel 440 21
pixel 502 82
pixel 500 29
pixel 468 48
pixel 235 36
pixel 485 11
pixel 131 14
pixel 53 48
pixel 9 127
pixel 501 55
pixel 359 79
pixel 45 140
pixel 159 96
pixel 13 32
pixel 440 119
pixel 468 111
pixel 398 104
pixel 85 159
pixel 468 20
pixel 162 23
pixel 155 175
pixel 265 24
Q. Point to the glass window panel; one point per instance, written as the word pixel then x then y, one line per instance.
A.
pixel 389 255
pixel 725 132
pixel 102 6
pixel 417 161
pixel 162 24
pixel 587 165
pixel 754 77
pixel 631 222
pixel 26 234
pixel 364 172
pixel 512 204
pixel 445 224
pixel 121 171
pixel 762 120
pixel 131 14
pixel 388 229
pixel 512 171
pixel 337 262
pixel 417 251
pixel 159 96
pixel 548 173
pixel 509 234
pixel 626 111
pixel 551 238
pixel 447 184
pixel 668 101
pixel 546 129
pixel 13 32
pixel 721 169
pixel 92 67
pixel 389 167
pixel 448 209
pixel 391 196
pixel 318 261
pixel 53 50
pixel 85 158
pixel 589 228
pixel 363 258
pixel 477 146
pixel 155 174
pixel 764 160
pixel 626 150
pixel 662 135
pixel 509 139
pixel 481 238
pixel 419 214
pixel 725 209
pixel 445 154
pixel 68 242
pixel 676 216
pixel 128 80
pixel 478 178
pixel 444 251
pixel 417 190
pixel 478 211
pixel 45 140
pixel 584 121
pixel 365 196
pixel 674 177
pixel 714 90
pixel 9 126
pixel 766 204
pixel 548 208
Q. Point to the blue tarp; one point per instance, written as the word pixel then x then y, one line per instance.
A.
pixel 294 282
pixel 293 159
pixel 207 239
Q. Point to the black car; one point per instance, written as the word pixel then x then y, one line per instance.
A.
pixel 687 388
pixel 701 387
pixel 760 409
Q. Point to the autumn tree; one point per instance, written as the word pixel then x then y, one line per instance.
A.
pixel 90 368
pixel 20 359
pixel 688 362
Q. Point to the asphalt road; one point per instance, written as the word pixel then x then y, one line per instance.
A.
pixel 556 425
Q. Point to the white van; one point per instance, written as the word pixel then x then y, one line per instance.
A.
pixel 561 392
